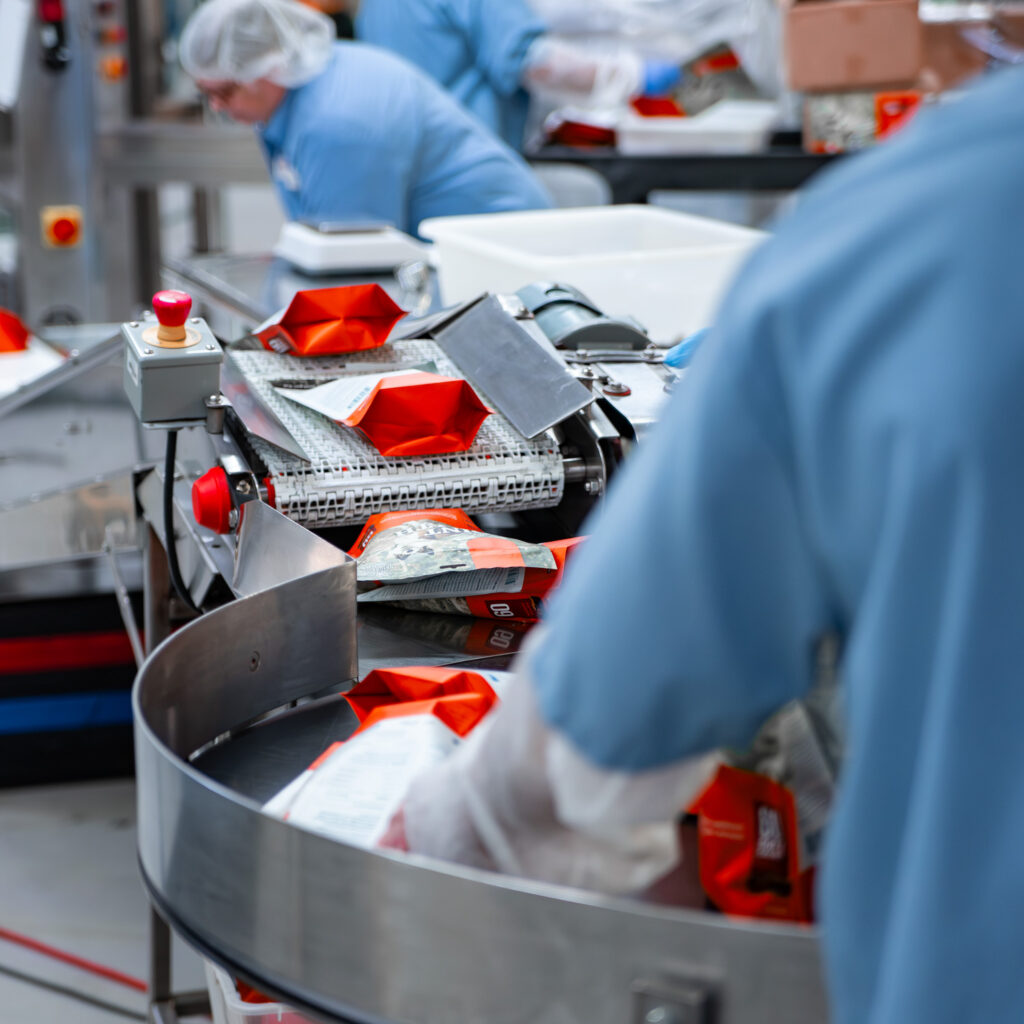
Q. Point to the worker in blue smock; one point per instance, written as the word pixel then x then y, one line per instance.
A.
pixel 349 131
pixel 487 53
pixel 844 454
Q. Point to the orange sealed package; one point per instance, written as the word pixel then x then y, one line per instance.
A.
pixel 749 848
pixel 657 106
pixel 453 517
pixel 400 413
pixel 330 321
pixel 458 697
pixel 410 719
pixel 13 333
pixel 526 604
pixel 438 560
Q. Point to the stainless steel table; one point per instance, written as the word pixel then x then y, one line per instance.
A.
pixel 68 444
pixel 237 292
pixel 780 168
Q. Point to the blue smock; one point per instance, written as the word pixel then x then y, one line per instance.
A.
pixel 373 137
pixel 474 48
pixel 847 452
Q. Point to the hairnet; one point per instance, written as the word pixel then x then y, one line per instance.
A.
pixel 242 40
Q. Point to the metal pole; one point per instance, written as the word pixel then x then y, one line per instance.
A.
pixel 156 589
pixel 143 61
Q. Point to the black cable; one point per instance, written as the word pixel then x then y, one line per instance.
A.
pixel 71 993
pixel 172 550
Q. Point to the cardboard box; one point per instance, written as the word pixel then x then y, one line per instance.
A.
pixel 834 45
pixel 951 58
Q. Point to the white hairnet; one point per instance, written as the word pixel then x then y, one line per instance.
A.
pixel 242 40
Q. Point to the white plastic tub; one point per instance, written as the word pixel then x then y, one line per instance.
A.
pixel 227 1006
pixel 730 126
pixel 665 268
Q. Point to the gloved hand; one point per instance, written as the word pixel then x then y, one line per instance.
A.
pixel 679 356
pixel 660 77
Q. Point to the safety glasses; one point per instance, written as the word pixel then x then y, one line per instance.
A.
pixel 222 92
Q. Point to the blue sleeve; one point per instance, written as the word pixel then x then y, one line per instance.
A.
pixel 447 37
pixel 499 33
pixel 692 612
pixel 289 200
pixel 346 177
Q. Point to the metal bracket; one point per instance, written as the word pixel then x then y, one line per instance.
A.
pixel 241 479
pixel 514 306
pixel 216 409
pixel 673 1000
pixel 650 354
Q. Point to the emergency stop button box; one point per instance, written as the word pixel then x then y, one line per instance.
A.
pixel 169 382
pixel 61 226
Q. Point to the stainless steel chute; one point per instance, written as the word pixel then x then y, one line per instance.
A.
pixel 365 936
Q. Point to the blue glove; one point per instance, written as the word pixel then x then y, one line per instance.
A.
pixel 660 77
pixel 679 356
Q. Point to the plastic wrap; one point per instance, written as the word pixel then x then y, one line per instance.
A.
pixel 677 30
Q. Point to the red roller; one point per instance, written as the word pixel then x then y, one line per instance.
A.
pixel 211 501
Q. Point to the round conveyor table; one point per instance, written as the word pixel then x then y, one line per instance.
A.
pixel 225 714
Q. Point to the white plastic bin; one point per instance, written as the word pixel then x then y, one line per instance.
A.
pixel 228 1008
pixel 667 269
pixel 730 126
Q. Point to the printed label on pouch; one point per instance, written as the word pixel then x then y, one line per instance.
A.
pixel 452 584
pixel 352 793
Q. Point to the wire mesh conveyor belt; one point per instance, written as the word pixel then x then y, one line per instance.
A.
pixel 347 480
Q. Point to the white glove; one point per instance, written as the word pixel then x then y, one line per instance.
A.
pixel 564 73
pixel 519 798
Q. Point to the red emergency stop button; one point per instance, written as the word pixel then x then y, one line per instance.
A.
pixel 64 230
pixel 61 226
pixel 211 501
pixel 172 309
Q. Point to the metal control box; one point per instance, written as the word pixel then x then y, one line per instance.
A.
pixel 167 382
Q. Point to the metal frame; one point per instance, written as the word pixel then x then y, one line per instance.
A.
pixel 633 178
pixel 54 162
pixel 78 361
pixel 76 138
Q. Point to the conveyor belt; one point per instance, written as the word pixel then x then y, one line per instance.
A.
pixel 347 480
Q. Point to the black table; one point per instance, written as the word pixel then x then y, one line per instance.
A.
pixel 780 168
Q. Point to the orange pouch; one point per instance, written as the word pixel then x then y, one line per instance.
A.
pixel 13 333
pixel 458 697
pixel 328 321
pixel 748 847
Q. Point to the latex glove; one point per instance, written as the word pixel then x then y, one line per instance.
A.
pixel 679 356
pixel 660 77
pixel 565 72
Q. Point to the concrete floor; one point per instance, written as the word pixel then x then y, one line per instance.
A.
pixel 68 877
